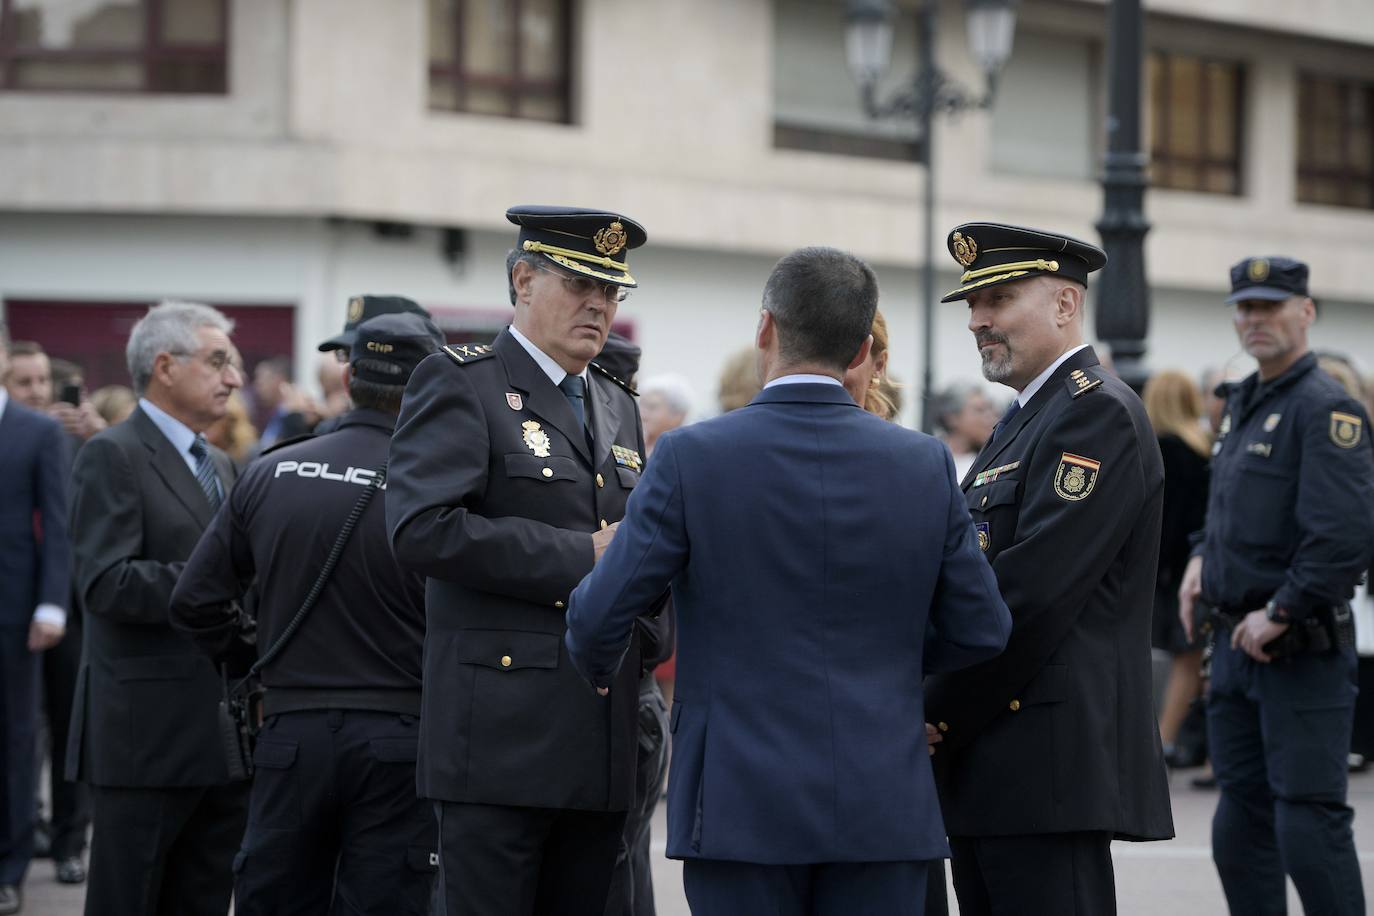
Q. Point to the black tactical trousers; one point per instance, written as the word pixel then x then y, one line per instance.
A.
pixel 334 824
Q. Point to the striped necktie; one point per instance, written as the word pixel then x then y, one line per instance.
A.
pixel 205 472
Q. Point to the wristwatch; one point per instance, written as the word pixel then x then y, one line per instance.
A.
pixel 1276 614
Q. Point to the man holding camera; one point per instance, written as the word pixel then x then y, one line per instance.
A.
pixel 1290 529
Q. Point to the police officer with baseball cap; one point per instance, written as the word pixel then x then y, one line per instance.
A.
pixel 1290 530
pixel 365 308
pixel 510 468
pixel 333 814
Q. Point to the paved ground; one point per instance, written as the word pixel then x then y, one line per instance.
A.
pixel 1175 878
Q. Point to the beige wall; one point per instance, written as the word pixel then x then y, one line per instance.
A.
pixel 674 106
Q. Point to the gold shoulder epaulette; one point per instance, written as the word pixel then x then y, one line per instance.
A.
pixel 621 382
pixel 462 354
pixel 1081 383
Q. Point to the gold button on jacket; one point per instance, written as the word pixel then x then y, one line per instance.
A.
pixel 1015 705
pixel 505 661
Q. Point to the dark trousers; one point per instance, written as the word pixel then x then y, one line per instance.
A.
pixel 18 732
pixel 334 825
pixel 1034 875
pixel 716 888
pixel 71 801
pixel 164 852
pixel 632 884
pixel 1278 735
pixel 498 860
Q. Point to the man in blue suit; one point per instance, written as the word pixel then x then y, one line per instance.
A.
pixel 35 569
pixel 821 561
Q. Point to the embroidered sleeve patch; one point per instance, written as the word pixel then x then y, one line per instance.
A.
pixel 1075 476
pixel 1346 429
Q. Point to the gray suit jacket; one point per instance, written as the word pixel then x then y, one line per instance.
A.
pixel 146 698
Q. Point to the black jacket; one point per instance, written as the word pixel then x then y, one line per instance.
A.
pixel 280 524
pixel 1058 733
pixel 145 713
pixel 493 495
pixel 1291 511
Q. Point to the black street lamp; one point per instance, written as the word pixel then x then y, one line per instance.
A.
pixel 1123 299
pixel 868 50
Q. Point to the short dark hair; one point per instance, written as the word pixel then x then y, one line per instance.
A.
pixel 374 395
pixel 823 301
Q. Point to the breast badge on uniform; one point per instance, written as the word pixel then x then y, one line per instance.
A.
pixel 627 457
pixel 1346 429
pixel 1075 477
pixel 1271 422
pixel 984 536
pixel 986 477
pixel 536 439
pixel 514 401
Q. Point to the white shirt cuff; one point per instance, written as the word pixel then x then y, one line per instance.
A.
pixel 51 613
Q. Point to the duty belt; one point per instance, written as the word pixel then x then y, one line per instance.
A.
pixel 295 699
pixel 1323 630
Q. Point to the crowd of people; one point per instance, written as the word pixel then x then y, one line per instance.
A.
pixel 423 644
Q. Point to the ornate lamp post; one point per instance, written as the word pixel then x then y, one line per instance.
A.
pixel 868 49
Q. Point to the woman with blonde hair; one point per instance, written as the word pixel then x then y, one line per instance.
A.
pixel 868 383
pixel 1174 404
pixel 234 432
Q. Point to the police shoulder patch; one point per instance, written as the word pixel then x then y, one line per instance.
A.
pixel 621 382
pixel 1075 477
pixel 462 354
pixel 1346 429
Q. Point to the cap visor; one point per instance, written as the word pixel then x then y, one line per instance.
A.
pixel 994 280
pixel 618 277
pixel 1269 293
pixel 342 341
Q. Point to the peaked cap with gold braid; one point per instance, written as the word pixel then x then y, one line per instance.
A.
pixel 994 253
pixel 591 242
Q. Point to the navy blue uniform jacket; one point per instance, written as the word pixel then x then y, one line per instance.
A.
pixel 1291 515
pixel 821 560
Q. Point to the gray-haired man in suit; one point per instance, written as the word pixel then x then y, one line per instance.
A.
pixel 167 818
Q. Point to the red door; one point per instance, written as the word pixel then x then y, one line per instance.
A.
pixel 93 334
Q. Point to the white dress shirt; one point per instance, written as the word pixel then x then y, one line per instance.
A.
pixel 802 378
pixel 1029 391
pixel 555 372
pixel 177 432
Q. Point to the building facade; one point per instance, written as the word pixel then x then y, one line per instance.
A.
pixel 280 156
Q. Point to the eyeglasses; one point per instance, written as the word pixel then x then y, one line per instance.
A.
pixel 217 360
pixel 582 287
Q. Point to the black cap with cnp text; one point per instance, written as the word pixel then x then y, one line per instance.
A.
pixel 363 308
pixel 387 348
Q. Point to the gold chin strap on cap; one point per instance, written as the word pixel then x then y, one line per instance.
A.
pixel 541 248
pixel 1022 266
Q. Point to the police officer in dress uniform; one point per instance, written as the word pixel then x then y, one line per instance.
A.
pixel 334 822
pixel 510 466
pixel 1290 529
pixel 1049 751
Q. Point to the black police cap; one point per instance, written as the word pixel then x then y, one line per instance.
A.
pixel 591 242
pixel 620 357
pixel 391 346
pixel 995 253
pixel 363 308
pixel 1274 279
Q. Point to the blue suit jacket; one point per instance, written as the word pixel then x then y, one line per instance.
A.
pixel 822 561
pixel 33 467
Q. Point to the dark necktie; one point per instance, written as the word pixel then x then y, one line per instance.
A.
pixel 1006 419
pixel 574 387
pixel 205 472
